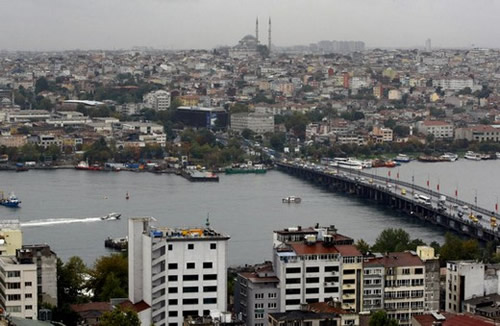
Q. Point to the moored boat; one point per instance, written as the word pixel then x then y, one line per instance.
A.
pixel 350 164
pixel 403 158
pixel 428 158
pixel 291 200
pixel 470 155
pixel 449 157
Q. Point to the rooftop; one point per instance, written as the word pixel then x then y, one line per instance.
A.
pixel 312 249
pixel 396 259
pixel 254 278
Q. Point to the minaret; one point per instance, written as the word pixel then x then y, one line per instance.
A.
pixel 257 29
pixel 269 37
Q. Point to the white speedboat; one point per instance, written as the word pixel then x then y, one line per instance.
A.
pixel 111 216
pixel 291 200
pixel 351 164
pixel 470 155
pixel 450 157
pixel 403 158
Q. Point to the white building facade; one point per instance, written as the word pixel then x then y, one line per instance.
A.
pixel 158 100
pixel 178 272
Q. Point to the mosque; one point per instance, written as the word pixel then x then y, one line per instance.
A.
pixel 247 46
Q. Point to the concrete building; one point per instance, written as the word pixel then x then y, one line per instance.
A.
pixel 479 133
pixel 395 95
pixel 157 100
pixel 352 277
pixel 201 117
pixel 432 277
pixel 256 295
pixel 404 284
pixel 382 134
pixel 259 123
pixel 46 263
pixel 18 285
pixel 439 129
pixel 11 237
pixel 46 141
pixel 177 272
pixel 464 280
pixel 454 84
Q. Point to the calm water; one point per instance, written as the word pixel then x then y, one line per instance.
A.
pixel 59 207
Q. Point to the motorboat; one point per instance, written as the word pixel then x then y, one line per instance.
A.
pixel 291 200
pixel 10 201
pixel 350 164
pixel 449 157
pixel 111 216
pixel 403 158
pixel 470 155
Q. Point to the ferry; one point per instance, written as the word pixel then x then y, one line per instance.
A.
pixel 351 164
pixel 403 158
pixel 470 155
pixel 10 201
pixel 449 157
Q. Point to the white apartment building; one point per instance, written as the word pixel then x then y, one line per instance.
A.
pixel 142 127
pixel 157 100
pixel 439 129
pixel 18 285
pixel 454 84
pixel 308 265
pixel 257 122
pixel 178 272
pixel 464 280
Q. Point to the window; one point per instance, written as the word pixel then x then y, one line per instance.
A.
pixel 312 300
pixel 28 307
pixel 28 296
pixel 172 302
pixel 190 265
pixel 312 279
pixel 210 289
pixel 293 270
pixel 172 313
pixel 190 289
pixel 272 305
pixel 190 278
pixel 272 295
pixel 259 295
pixel 15 285
pixel 259 316
pixel 312 290
pixel 14 274
pixel 190 246
pixel 172 266
pixel 293 281
pixel 334 279
pixel 349 271
pixel 419 270
pixel 259 306
pixel 13 297
pixel 209 277
pixel 406 271
pixel 312 269
pixel 209 300
pixel 172 278
pixel 292 291
pixel 170 247
pixel 292 302
pixel 331 268
pixel 213 246
pixel 331 290
pixel 207 265
pixel 172 290
pixel 189 301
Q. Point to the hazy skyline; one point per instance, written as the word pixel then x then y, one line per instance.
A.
pixel 204 24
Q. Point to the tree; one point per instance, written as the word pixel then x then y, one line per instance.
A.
pixel 401 131
pixel 362 246
pixel 41 85
pixel 120 317
pixel 455 248
pixel 109 277
pixel 247 133
pixel 380 318
pixel 277 141
pixel 392 240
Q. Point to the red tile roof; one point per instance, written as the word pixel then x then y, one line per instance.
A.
pixel 348 250
pixel 137 307
pixel 435 123
pixel 92 306
pixel 396 259
pixel 324 307
pixel 312 249
pixel 453 320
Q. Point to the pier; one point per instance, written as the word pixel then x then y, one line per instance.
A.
pixel 400 196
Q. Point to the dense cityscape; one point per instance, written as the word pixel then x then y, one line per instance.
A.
pixel 329 113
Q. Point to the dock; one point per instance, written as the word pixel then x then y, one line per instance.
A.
pixel 120 244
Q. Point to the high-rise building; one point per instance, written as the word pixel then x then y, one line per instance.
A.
pixel 46 263
pixel 158 100
pixel 178 272
pixel 428 47
pixel 269 36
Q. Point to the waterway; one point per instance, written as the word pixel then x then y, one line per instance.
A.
pixel 61 207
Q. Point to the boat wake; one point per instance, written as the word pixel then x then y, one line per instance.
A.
pixel 55 221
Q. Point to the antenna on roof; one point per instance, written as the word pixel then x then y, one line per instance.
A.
pixel 208 220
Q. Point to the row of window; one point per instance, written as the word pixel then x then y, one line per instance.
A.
pixel 17 297
pixel 206 265
pixel 270 305
pixel 311 269
pixel 17 285
pixel 269 295
pixel 192 277
pixel 313 290
pixel 193 289
pixel 190 246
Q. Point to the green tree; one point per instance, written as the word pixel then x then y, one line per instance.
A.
pixel 109 277
pixel 41 85
pixel 71 281
pixel 277 141
pixel 247 133
pixel 380 318
pixel 392 240
pixel 455 248
pixel 120 317
pixel 363 246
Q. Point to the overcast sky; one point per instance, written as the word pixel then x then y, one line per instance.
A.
pixel 183 24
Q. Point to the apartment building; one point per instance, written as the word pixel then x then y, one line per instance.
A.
pixel 464 280
pixel 352 277
pixel 178 272
pixel 257 122
pixel 309 265
pixel 18 285
pixel 256 295
pixel 46 264
pixel 11 237
pixel 157 100
pixel 432 277
pixel 479 133
pixel 382 134
pixel 439 129
pixel 403 284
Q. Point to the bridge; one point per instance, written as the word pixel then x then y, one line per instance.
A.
pixel 400 196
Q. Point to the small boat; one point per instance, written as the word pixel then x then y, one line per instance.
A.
pixel 403 158
pixel 470 155
pixel 427 158
pixel 85 166
pixel 21 169
pixel 390 164
pixel 291 200
pixel 111 216
pixel 127 197
pixel 350 164
pixel 11 201
pixel 449 157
